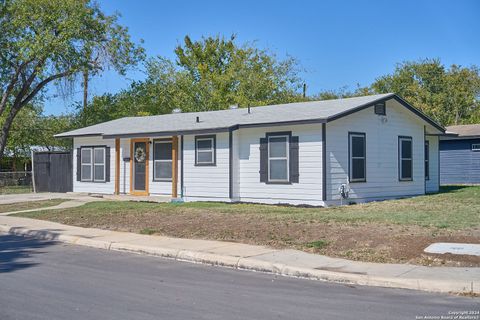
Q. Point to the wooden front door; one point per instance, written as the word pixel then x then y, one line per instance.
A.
pixel 139 155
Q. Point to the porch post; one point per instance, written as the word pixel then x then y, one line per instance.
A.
pixel 174 166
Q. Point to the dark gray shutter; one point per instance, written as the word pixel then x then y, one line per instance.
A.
pixel 107 164
pixel 263 160
pixel 79 164
pixel 294 174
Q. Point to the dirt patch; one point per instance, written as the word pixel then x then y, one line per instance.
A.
pixel 372 242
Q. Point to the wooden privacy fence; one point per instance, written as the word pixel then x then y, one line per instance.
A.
pixel 53 171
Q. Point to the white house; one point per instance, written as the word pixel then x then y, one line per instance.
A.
pixel 371 148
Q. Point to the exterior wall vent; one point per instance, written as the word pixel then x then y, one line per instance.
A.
pixel 379 109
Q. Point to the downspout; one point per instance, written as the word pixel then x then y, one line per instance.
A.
pixel 424 160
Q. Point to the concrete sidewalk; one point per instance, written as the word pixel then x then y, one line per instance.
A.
pixel 258 258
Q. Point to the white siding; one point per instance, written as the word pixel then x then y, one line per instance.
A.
pixel 309 188
pixel 433 182
pixel 207 183
pixel 382 154
pixel 94 187
pixel 236 165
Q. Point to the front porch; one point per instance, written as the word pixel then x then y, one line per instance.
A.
pixel 147 169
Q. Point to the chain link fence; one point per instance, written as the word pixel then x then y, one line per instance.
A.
pixel 16 182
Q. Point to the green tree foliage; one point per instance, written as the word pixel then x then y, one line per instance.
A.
pixel 44 41
pixel 209 74
pixel 32 131
pixel 448 95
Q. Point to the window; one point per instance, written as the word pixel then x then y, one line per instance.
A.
pixel 205 151
pixel 476 147
pixel 92 164
pixel 99 164
pixel 427 160
pixel 358 162
pixel 379 108
pixel 86 156
pixel 278 164
pixel 162 160
pixel 405 158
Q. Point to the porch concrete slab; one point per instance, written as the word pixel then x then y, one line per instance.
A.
pixel 454 248
pixel 125 197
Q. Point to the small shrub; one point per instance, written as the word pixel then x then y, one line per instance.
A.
pixel 147 231
pixel 319 244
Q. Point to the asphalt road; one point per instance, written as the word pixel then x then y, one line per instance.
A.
pixel 44 280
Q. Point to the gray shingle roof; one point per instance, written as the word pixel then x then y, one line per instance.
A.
pixel 465 130
pixel 224 119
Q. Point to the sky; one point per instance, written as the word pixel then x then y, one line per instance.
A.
pixel 338 43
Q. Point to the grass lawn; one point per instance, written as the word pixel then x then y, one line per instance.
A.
pixel 30 205
pixel 15 189
pixel 389 231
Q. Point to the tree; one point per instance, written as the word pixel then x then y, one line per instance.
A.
pixel 45 41
pixel 31 130
pixel 209 74
pixel 449 95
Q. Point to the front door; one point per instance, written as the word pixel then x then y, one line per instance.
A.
pixel 139 166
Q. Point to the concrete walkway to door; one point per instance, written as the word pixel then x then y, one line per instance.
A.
pixel 72 199
pixel 29 197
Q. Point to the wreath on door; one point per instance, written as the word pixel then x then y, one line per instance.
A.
pixel 140 154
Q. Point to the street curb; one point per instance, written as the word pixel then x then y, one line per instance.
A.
pixel 252 264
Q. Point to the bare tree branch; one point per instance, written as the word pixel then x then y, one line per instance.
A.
pixel 11 85
pixel 43 83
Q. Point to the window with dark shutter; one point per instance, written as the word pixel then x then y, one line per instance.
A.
pixel 294 160
pixel 263 160
pixel 279 158
pixel 357 150
pixel 427 160
pixel 93 164
pixel 405 158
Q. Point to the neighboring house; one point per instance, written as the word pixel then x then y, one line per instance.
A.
pixel 460 155
pixel 297 153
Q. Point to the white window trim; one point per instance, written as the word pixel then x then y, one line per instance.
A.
pixel 163 160
pixel 364 158
pixel 211 150
pixel 475 147
pixel 86 164
pixel 400 149
pixel 287 157
pixel 99 164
